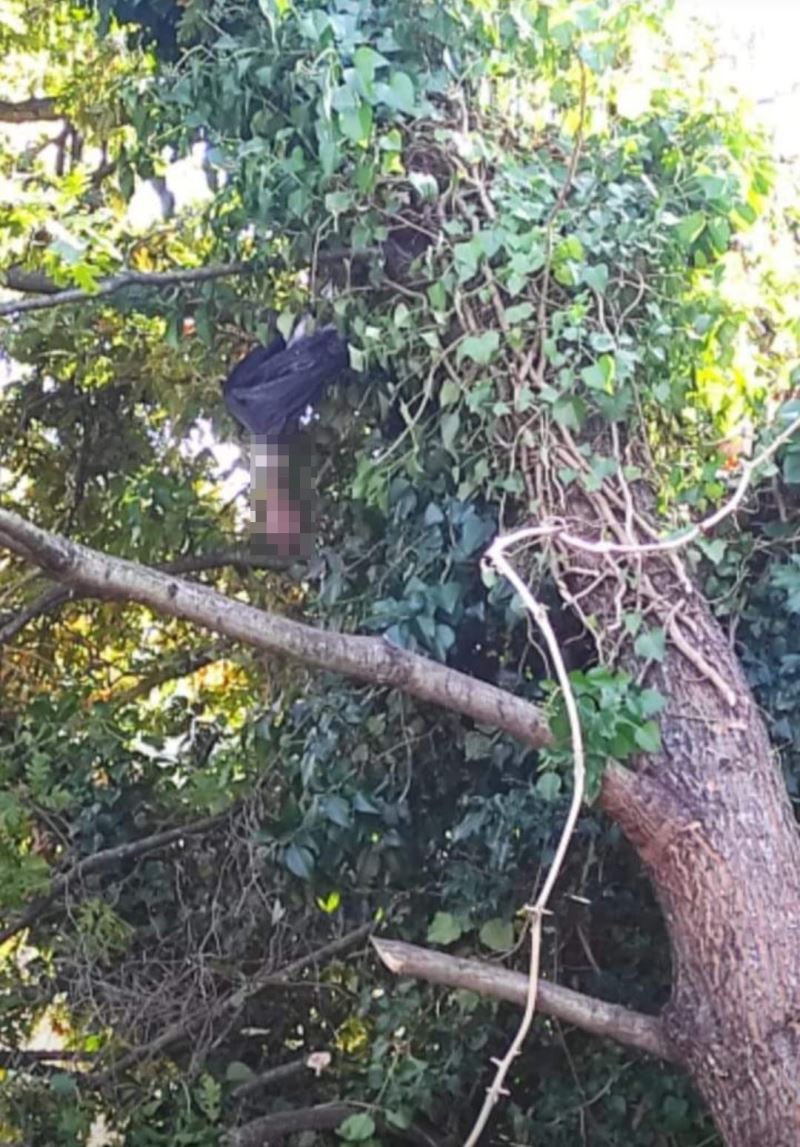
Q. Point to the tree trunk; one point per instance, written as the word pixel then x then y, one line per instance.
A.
pixel 711 820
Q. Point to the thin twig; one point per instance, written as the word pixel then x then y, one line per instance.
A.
pixel 106 287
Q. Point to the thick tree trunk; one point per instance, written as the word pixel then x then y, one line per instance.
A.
pixel 711 820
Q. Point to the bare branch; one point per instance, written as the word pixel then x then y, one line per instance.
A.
pixel 365 658
pixel 98 862
pixel 29 282
pixel 56 596
pixel 322 1117
pixel 275 1075
pixel 18 279
pixel 30 110
pixel 106 287
pixel 232 1004
pixel 47 602
pixel 634 1029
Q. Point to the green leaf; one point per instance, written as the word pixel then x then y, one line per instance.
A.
pixel 330 903
pixel 238 1072
pixel 569 413
pixel 328 155
pixel 299 861
pixel 518 313
pixel 651 701
pixel 437 296
pixel 652 645
pixel 336 809
pixel 596 277
pixel 479 348
pixel 712 548
pixel 356 123
pixel 444 929
pixel 690 228
pixel 449 393
pixel 791 467
pixel 548 786
pixel 497 934
pixel 719 231
pixel 367 61
pixel 600 375
pixel 338 201
pixel 569 250
pixel 63 1084
pixel 648 737
pixel 399 92
pixel 356 1128
pixel 399 1117
pixel 424 184
pixel 787 578
pixel 449 427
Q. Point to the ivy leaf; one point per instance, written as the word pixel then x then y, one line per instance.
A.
pixel 356 124
pixel 600 375
pixel 479 348
pixel 719 231
pixel 444 929
pixel 596 277
pixel 450 392
pixel 548 786
pixel 63 1084
pixel 336 809
pixel 713 548
pixel 497 934
pixel 690 228
pixel 399 1117
pixel 791 467
pixel 356 1128
pixel 518 313
pixel 367 61
pixel 787 578
pixel 398 93
pixel 424 184
pixel 648 737
pixel 449 427
pixel 651 701
pixel 652 645
pixel 569 413
pixel 299 861
pixel 238 1072
pixel 330 903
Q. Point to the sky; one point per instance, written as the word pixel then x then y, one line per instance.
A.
pixel 759 41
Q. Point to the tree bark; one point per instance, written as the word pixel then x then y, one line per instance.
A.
pixel 28 111
pixel 365 658
pixel 710 818
pixel 610 1021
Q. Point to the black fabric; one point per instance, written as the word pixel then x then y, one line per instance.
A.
pixel 269 390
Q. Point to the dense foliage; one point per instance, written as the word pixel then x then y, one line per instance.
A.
pixel 537 228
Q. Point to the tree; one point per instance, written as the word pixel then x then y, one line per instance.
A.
pixel 548 261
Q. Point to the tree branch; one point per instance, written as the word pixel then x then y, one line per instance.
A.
pixel 322 1117
pixel 110 286
pixel 29 282
pixel 316 1061
pixel 596 1016
pixel 30 110
pixel 98 862
pixel 365 658
pixel 233 1003
pixel 56 596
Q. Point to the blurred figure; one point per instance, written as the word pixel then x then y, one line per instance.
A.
pixel 268 392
